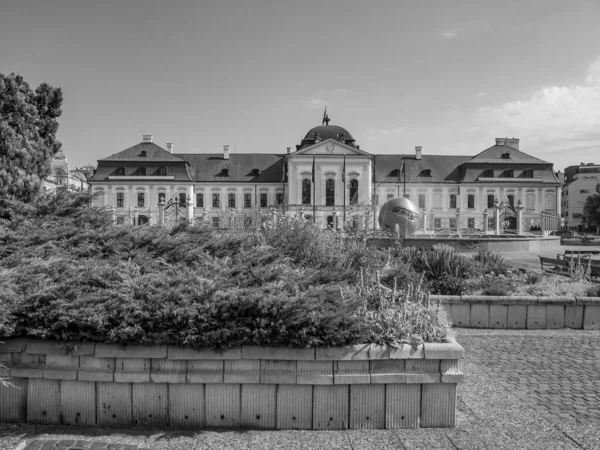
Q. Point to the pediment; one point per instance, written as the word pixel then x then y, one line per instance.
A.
pixel 331 147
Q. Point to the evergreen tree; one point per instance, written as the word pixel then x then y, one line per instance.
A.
pixel 28 127
pixel 591 211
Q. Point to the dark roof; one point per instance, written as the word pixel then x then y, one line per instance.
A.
pixel 153 153
pixel 443 168
pixel 495 152
pixel 240 167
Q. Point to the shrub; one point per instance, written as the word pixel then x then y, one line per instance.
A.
pixel 487 262
pixel 438 263
pixel 448 285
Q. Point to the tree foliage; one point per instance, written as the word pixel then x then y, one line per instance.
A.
pixel 591 210
pixel 28 127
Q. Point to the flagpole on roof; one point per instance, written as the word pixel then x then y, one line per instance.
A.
pixel 404 175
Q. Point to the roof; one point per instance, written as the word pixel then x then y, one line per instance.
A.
pixel 443 168
pixel 153 153
pixel 495 152
pixel 240 167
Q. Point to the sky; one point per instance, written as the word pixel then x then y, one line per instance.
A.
pixel 448 75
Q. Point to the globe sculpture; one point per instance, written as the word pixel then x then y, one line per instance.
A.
pixel 400 216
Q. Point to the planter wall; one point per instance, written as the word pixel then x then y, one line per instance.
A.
pixel 534 313
pixel 363 386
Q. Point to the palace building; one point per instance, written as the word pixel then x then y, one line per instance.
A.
pixel 329 179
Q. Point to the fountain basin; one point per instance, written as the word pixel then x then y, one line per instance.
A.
pixel 494 243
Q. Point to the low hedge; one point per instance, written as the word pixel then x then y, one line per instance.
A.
pixel 67 274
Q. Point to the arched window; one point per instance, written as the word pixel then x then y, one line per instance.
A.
pixel 354 192
pixel 550 202
pixel 162 171
pixel 330 192
pixel 306 187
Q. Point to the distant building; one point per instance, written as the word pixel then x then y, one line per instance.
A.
pixel 580 182
pixel 328 177
pixel 64 177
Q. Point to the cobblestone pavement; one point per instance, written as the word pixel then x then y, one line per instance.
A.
pixel 556 374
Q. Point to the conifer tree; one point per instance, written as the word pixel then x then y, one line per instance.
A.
pixel 28 127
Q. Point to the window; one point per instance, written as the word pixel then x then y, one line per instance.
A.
pixel 509 173
pixel 162 171
pixel 200 200
pixel 354 193
pixel 120 199
pixel 306 188
pixel 452 201
pixel 263 200
pixel 279 198
pixel 162 197
pixel 120 171
pixel 182 199
pixel 511 200
pixel 530 201
pixel 216 221
pixel 488 173
pixel 452 224
pixel 247 200
pixel 330 192
pixel 505 155
pixel 549 201
pixel 141 198
pixel 216 202
pixel 437 223
pixel 231 200
pixel 470 201
pixel 390 196
pixel 425 173
pixel 471 223
pixel 141 171
pixel 422 201
pixel 491 199
pixel 437 200
pixel 528 173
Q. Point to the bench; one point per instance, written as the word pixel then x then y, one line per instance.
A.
pixel 557 264
pixel 575 258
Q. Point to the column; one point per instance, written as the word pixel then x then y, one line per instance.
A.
pixel 113 215
pixel 457 219
pixel 432 220
pixel 335 224
pixel 519 209
pixel 189 209
pixel 161 213
pixel 424 212
pixel 496 217
pixel 485 221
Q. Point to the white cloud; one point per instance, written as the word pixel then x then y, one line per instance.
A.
pixel 341 91
pixel 448 34
pixel 554 119
pixel 481 94
pixel 317 103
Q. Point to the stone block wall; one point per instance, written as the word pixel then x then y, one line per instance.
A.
pixel 363 386
pixel 522 312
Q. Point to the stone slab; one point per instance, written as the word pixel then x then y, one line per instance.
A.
pixel 555 317
pixel 574 317
pixel 209 371
pixel 131 351
pixel 114 403
pixel 78 403
pixel 480 315
pixel 387 371
pixel 438 405
pixel 242 371
pixel 499 316
pixel 517 317
pixel 330 407
pixel 402 406
pixel 352 352
pixel 591 318
pixel 461 315
pixel 150 404
pixel 259 403
pixel 536 317
pixel 186 405
pixel 201 354
pixel 407 352
pixel 276 353
pixel 43 402
pixel 294 407
pixel 315 372
pixel 278 371
pixel 351 372
pixel 367 407
pixel 222 405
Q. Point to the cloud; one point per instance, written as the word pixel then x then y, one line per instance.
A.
pixel 449 34
pixel 317 103
pixel 341 91
pixel 481 94
pixel 553 119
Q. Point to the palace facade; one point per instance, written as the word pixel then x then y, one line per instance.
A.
pixel 329 178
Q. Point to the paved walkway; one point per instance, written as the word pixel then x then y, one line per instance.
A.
pixel 530 260
pixel 523 389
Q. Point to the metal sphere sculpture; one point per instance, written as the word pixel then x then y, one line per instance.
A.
pixel 400 216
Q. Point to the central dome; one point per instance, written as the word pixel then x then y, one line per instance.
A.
pixel 324 132
pixel 328 132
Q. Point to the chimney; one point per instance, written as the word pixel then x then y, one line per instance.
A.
pixel 500 141
pixel 418 152
pixel 170 147
pixel 289 149
pixel 146 138
pixel 226 152
pixel 513 142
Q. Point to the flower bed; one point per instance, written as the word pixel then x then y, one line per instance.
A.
pixel 359 386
